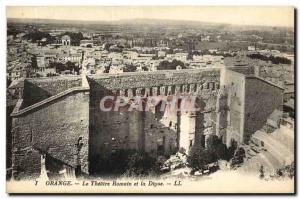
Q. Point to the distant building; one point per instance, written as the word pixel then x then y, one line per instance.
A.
pixel 115 69
pixel 251 48
pixel 75 57
pixel 213 51
pixel 289 91
pixel 88 35
pixel 289 108
pixel 205 38
pixel 181 56
pixel 40 59
pixel 66 40
pixel 161 53
pixel 86 43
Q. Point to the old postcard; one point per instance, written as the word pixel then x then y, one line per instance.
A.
pixel 150 99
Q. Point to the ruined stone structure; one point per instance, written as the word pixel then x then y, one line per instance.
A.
pixel 59 119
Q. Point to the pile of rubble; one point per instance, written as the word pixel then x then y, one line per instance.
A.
pixel 177 165
pixel 179 160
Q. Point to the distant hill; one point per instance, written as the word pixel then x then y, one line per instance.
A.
pixel 148 22
pixel 123 21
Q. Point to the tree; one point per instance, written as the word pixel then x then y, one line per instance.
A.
pixel 34 62
pixel 222 152
pixel 127 163
pixel 232 148
pixel 107 46
pixel 129 68
pixel 274 60
pixel 199 158
pixel 70 65
pixel 8 82
pixel 13 31
pixel 35 36
pixel 107 68
pixel 190 56
pixel 238 157
pixel 145 68
pixel 58 66
pixel 290 169
pixel 166 65
pixel 217 148
pixel 51 74
pixel 141 164
pixel 261 172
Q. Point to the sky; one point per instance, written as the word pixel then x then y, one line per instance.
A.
pixel 243 15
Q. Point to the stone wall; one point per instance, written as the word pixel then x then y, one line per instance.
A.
pixel 54 128
pixel 234 86
pixel 155 132
pixel 155 79
pixel 245 70
pixel 231 105
pixel 261 99
pixel 250 101
pixel 36 90
pixel 222 114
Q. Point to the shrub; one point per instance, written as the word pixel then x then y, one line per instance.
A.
pixel 199 157
pixel 127 163
pixel 141 164
pixel 290 170
pixel 238 157
pixel 166 65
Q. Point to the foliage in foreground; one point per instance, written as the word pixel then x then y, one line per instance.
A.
pixel 128 163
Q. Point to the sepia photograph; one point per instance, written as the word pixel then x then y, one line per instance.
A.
pixel 150 99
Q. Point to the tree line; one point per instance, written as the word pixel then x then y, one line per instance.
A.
pixel 273 59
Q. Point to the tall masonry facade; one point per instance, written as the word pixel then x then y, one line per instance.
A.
pixel 58 123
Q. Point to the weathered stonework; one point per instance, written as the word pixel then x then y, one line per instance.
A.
pixel 36 90
pixel 157 132
pixel 250 101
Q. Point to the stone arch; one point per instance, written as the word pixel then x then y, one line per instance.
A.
pixel 177 89
pixel 184 89
pixel 138 92
pixel 122 92
pixel 130 93
pixel 170 90
pixel 143 92
pixel 192 88
pixel 162 90
pixel 147 92
pixel 154 91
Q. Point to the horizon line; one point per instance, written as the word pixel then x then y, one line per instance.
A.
pixel 146 18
